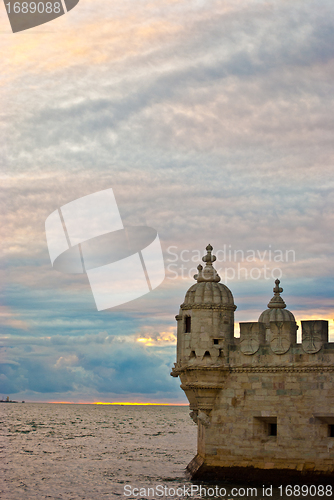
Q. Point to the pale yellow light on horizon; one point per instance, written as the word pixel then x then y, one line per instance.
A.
pixel 125 403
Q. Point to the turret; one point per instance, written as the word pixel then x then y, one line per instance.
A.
pixel 205 323
pixel 205 329
pixel 276 326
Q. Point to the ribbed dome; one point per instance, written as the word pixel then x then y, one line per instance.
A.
pixel 209 293
pixel 276 315
pixel 276 308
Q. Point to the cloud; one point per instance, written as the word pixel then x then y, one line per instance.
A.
pixel 12 319
pixel 65 361
pixel 153 335
pixel 211 124
pixel 119 368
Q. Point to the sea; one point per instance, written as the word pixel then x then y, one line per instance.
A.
pixel 96 452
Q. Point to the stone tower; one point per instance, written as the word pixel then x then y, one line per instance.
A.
pixel 263 403
pixel 205 329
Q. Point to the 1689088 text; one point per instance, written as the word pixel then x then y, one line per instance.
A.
pixel 33 7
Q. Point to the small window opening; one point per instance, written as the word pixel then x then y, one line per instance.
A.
pixel 216 341
pixel 207 354
pixel 331 431
pixel 272 429
pixel 221 353
pixel 188 324
pixel 193 354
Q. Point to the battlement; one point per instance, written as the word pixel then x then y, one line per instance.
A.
pixel 260 346
pixel 282 335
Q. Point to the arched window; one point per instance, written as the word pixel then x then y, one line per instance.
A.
pixel 187 324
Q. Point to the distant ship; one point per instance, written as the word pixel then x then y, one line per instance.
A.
pixel 7 400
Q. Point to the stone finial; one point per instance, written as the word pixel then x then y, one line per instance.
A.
pixel 208 273
pixel 277 302
pixel 277 288
pixel 199 276
pixel 209 258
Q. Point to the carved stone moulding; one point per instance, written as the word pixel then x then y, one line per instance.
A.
pixel 204 378
pixel 201 397
pixel 314 335
pixel 252 335
pixel 215 307
pixel 278 369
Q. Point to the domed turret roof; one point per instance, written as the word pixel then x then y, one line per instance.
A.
pixel 208 291
pixel 276 308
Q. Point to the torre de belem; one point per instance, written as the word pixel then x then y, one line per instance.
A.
pixel 263 403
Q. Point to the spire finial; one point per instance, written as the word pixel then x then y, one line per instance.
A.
pixel 209 273
pixel 209 258
pixel 277 289
pixel 277 302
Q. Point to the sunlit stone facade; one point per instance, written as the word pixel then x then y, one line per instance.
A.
pixel 263 403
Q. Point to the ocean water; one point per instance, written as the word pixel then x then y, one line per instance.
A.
pixel 59 451
pixel 93 452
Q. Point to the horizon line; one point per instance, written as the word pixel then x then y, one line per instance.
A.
pixel 121 403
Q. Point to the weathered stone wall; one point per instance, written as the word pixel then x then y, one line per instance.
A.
pixel 211 333
pixel 301 403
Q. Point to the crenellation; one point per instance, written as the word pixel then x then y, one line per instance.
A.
pixel 261 401
pixel 314 335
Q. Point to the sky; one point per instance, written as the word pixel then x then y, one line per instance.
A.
pixel 212 121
